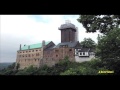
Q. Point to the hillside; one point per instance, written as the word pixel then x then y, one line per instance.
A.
pixel 4 65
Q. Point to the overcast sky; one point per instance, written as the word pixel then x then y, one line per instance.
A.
pixel 31 29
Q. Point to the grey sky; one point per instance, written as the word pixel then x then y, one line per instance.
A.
pixel 31 29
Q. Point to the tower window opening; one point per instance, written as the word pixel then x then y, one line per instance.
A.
pixel 70 49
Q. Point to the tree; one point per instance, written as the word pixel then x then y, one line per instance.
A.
pixel 108 49
pixel 88 43
pixel 17 66
pixel 103 23
pixel 12 66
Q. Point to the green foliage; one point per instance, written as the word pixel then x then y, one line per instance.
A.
pixel 109 46
pixel 62 68
pixel 81 70
pixel 27 71
pixel 103 23
pixel 12 66
pixel 88 43
pixel 86 68
pixel 44 70
pixel 17 66
pixel 108 50
pixel 71 71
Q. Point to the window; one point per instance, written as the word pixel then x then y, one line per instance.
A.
pixel 26 51
pixel 20 55
pixel 29 55
pixel 32 50
pixel 83 53
pixel 70 49
pixel 23 51
pixel 36 50
pixel 26 55
pixel 23 55
pixel 56 50
pixel 35 59
pixel 29 51
pixel 56 55
pixel 80 53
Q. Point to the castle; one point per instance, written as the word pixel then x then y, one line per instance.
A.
pixel 48 53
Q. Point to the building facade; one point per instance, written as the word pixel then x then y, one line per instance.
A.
pixel 48 53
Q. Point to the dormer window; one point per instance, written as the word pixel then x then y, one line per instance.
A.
pixel 80 53
pixel 83 53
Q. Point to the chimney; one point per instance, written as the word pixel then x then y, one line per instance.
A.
pixel 20 46
pixel 43 43
pixel 28 47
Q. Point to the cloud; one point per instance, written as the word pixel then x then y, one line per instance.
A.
pixel 30 29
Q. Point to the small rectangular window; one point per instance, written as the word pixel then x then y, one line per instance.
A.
pixel 83 53
pixel 80 53
pixel 70 49
pixel 56 50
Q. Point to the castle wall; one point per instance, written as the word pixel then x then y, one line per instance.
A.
pixel 52 57
pixel 27 58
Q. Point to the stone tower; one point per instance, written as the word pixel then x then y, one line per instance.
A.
pixel 68 31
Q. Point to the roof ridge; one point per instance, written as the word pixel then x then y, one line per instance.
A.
pixel 37 43
pixel 32 46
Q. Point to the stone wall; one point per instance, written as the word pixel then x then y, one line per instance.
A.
pixel 52 57
pixel 40 57
pixel 29 57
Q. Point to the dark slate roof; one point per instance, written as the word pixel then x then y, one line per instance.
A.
pixel 92 50
pixel 67 25
pixel 70 44
pixel 84 50
pixel 50 48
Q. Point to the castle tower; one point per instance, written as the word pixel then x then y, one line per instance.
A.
pixel 68 31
